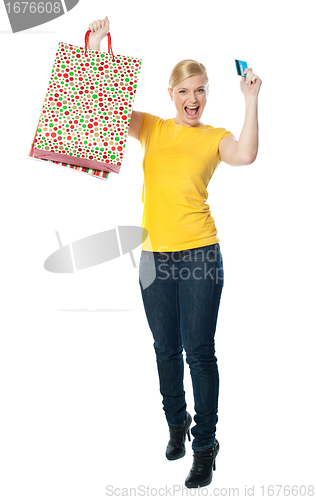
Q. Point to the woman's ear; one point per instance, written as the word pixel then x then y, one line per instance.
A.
pixel 170 93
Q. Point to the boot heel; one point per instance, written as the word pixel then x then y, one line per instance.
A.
pixel 214 464
pixel 189 437
pixel 176 446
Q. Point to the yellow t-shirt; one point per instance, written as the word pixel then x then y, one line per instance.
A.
pixel 178 164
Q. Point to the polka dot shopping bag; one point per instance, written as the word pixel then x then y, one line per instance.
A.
pixel 87 109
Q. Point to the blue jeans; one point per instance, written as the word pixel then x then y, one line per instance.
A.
pixel 181 306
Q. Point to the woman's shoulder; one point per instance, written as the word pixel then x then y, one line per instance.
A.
pixel 151 120
pixel 151 116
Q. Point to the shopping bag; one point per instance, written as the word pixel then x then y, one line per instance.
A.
pixel 87 109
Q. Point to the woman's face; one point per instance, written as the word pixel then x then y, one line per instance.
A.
pixel 190 97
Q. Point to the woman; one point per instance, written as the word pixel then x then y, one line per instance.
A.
pixel 181 304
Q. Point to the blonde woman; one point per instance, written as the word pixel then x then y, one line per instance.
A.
pixel 181 305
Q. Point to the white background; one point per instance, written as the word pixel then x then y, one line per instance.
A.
pixel 80 404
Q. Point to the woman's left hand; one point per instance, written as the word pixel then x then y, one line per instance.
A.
pixel 250 84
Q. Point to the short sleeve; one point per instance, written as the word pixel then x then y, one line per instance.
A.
pixel 222 132
pixel 148 124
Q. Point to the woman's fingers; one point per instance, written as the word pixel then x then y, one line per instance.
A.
pixel 92 26
pixel 250 76
pixel 100 23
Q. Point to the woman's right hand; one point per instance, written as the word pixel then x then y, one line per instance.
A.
pixel 99 29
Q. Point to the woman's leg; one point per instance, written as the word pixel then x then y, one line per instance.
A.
pixel 162 311
pixel 200 289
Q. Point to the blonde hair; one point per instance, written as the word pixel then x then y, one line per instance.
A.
pixel 184 69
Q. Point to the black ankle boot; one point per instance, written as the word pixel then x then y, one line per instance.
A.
pixel 203 466
pixel 176 445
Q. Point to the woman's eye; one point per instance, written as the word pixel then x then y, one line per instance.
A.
pixel 201 90
pixel 181 91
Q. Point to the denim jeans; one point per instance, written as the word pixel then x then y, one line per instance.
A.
pixel 181 307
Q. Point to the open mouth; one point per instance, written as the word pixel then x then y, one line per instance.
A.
pixel 192 112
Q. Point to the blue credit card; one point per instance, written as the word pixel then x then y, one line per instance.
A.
pixel 241 66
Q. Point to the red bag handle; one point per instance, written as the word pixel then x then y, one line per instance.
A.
pixel 110 49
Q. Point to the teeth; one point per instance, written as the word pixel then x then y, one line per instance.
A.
pixel 192 107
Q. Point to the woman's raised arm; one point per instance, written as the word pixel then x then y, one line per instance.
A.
pixel 99 30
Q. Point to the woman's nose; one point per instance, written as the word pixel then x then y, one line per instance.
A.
pixel 192 98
